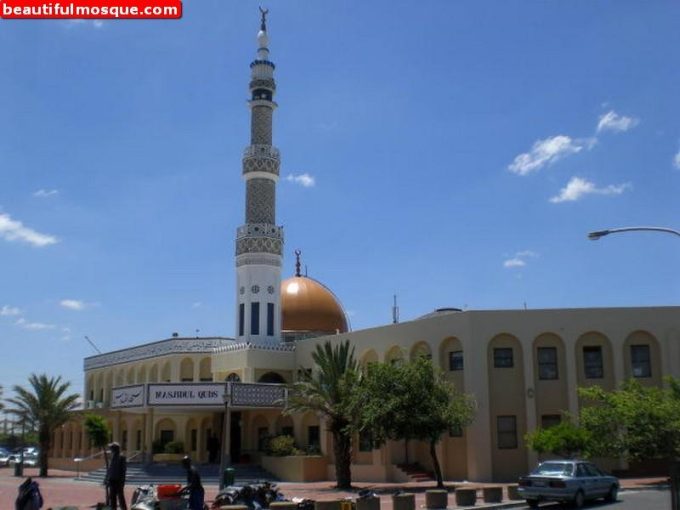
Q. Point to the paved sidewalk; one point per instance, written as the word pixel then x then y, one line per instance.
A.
pixel 61 489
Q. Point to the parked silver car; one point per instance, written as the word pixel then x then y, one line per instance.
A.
pixel 573 481
pixel 5 457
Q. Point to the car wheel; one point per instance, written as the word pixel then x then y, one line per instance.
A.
pixel 533 503
pixel 612 494
pixel 579 499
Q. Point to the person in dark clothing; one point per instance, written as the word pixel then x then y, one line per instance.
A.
pixel 213 448
pixel 29 497
pixel 115 478
pixel 194 486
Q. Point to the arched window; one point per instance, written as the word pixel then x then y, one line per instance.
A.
pixel 272 377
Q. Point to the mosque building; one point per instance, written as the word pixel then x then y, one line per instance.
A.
pixel 523 367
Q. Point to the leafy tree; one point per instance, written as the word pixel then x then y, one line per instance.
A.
pixel 564 439
pixel 412 401
pixel 46 405
pixel 97 430
pixel 328 392
pixel 634 422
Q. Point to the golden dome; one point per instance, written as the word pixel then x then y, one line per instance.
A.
pixel 309 306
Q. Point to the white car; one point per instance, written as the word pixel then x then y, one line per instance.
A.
pixel 5 457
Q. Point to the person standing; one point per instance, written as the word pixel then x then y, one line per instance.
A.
pixel 194 486
pixel 115 478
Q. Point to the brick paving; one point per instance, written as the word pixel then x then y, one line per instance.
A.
pixel 61 489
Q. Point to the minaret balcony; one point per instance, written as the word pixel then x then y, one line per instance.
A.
pixel 259 230
pixel 261 151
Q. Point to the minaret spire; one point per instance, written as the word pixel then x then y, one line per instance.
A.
pixel 263 23
pixel 259 242
pixel 297 262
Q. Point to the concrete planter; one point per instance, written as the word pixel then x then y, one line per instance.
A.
pixel 368 503
pixel 513 492
pixel 404 502
pixel 283 505
pixel 493 494
pixel 466 497
pixel 327 505
pixel 436 499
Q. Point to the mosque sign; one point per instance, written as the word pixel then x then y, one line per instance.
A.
pixel 187 394
pixel 127 396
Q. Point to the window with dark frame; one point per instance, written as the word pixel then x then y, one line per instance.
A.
pixel 455 360
pixel 547 363
pixel 502 357
pixel 194 440
pixel 255 318
pixel 641 361
pixel 550 420
pixel 313 437
pixel 270 319
pixel 592 362
pixel 241 318
pixel 506 427
pixel 365 440
pixel 262 438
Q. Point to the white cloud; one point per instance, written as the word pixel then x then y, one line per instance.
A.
pixel 96 23
pixel 577 188
pixel 44 193
pixel 548 151
pixel 612 121
pixel 519 259
pixel 12 230
pixel 514 262
pixel 304 180
pixel 33 326
pixel 9 311
pixel 74 304
pixel 676 160
pixel 197 304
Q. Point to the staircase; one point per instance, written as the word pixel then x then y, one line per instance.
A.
pixel 416 472
pixel 140 474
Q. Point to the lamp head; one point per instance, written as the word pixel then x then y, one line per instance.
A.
pixel 594 236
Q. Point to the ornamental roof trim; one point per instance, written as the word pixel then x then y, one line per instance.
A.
pixel 250 346
pixel 176 345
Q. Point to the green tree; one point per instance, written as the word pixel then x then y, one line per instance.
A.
pixel 564 439
pixel 328 392
pixel 412 401
pixel 635 422
pixel 97 430
pixel 47 406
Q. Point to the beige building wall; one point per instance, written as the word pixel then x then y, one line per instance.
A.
pixel 585 342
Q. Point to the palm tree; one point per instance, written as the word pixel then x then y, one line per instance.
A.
pixel 328 393
pixel 47 406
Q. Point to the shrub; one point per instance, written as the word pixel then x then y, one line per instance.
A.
pixel 157 446
pixel 281 446
pixel 174 447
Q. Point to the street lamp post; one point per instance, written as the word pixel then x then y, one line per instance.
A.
pixel 594 236
pixel 675 465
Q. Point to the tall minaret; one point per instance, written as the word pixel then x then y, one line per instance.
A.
pixel 259 243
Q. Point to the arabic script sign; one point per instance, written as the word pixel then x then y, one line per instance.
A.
pixel 128 396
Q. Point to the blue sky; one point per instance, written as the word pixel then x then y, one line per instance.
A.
pixel 452 153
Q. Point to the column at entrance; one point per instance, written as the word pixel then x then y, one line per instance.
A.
pixel 148 436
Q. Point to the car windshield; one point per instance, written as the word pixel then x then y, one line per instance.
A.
pixel 553 468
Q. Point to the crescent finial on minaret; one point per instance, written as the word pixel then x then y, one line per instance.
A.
pixel 263 23
pixel 297 262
